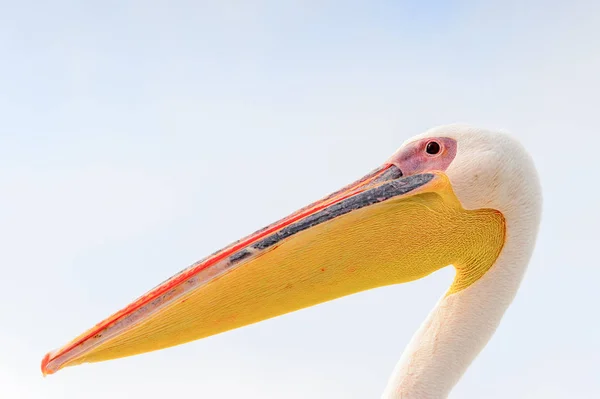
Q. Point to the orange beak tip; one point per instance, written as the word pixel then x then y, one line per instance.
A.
pixel 45 362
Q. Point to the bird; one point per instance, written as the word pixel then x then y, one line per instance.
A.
pixel 456 195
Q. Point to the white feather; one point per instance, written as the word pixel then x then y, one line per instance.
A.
pixel 491 170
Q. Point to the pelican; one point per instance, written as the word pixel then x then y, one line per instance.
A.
pixel 455 195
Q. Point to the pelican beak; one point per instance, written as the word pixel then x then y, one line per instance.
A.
pixel 383 229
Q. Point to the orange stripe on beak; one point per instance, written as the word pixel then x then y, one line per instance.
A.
pixel 174 286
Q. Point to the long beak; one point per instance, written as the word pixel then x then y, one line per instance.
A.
pixel 383 229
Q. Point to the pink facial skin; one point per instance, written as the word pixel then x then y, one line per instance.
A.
pixel 414 158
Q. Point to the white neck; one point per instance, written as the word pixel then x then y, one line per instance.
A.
pixel 461 324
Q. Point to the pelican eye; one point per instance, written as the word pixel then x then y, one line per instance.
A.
pixel 433 148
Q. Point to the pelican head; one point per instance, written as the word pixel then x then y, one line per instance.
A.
pixel 487 168
pixel 455 195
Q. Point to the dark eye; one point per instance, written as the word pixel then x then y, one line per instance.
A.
pixel 432 148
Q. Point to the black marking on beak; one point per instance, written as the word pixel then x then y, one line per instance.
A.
pixel 375 195
pixel 392 173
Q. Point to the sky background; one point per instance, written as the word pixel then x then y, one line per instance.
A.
pixel 139 136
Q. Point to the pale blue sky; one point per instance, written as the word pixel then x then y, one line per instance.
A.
pixel 138 136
